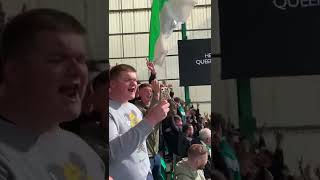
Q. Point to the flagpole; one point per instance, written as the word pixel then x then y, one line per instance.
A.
pixel 186 88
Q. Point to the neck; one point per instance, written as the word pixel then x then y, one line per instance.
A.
pixel 145 102
pixel 117 98
pixel 16 113
pixel 191 164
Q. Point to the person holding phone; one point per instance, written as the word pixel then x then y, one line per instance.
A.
pixel 128 128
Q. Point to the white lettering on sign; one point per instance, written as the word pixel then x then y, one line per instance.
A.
pixel 206 60
pixel 203 61
pixel 285 4
pixel 208 55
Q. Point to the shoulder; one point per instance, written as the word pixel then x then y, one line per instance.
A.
pixel 77 144
pixel 81 147
pixel 138 104
pixel 195 141
pixel 133 106
pixel 112 105
pixel 69 136
pixel 183 177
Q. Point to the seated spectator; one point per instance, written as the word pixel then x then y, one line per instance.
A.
pixel 205 139
pixel 191 168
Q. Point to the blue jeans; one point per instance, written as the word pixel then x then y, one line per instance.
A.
pixel 155 166
pixel 149 177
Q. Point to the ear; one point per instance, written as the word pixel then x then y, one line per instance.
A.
pixel 112 84
pixel 197 162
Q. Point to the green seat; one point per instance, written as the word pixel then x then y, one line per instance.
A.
pixel 163 170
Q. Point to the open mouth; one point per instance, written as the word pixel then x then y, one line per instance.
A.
pixel 132 90
pixel 71 92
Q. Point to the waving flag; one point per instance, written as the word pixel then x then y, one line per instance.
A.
pixel 166 15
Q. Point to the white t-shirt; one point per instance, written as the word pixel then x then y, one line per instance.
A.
pixel 56 155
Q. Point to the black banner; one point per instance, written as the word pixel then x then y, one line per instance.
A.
pixel 194 62
pixel 263 38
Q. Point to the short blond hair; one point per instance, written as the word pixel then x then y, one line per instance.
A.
pixel 196 150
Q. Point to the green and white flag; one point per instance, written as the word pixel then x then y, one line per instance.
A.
pixel 155 45
pixel 166 15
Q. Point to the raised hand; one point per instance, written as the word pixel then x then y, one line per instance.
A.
pixel 150 66
pixel 158 113
pixel 155 86
pixel 206 115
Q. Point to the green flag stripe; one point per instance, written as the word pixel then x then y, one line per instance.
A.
pixel 157 6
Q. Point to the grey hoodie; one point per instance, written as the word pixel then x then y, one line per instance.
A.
pixel 184 172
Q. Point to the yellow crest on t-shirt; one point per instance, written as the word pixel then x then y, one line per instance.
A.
pixel 73 172
pixel 134 120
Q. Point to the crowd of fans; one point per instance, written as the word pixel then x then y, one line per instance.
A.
pixel 154 130
pixel 184 145
pixel 205 147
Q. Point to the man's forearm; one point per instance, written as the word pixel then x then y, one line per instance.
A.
pixel 124 145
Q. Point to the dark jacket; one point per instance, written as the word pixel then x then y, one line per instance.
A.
pixel 171 134
pixel 183 145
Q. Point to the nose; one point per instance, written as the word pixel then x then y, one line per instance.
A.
pixel 76 68
pixel 133 83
